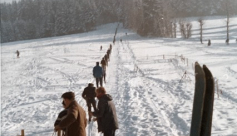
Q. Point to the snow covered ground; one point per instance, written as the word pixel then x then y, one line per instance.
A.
pixel 149 97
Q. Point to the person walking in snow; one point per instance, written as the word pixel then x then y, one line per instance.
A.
pixel 61 116
pixel 110 47
pixel 114 40
pixel 108 54
pixel 98 74
pixel 18 54
pixel 209 42
pixel 106 59
pixel 104 64
pixel 75 122
pixel 105 113
pixel 89 95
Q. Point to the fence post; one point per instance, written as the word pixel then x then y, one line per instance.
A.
pixel 22 132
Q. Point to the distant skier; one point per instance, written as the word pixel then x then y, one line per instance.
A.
pixel 121 40
pixel 98 74
pixel 104 64
pixel 106 113
pixel 61 116
pixel 18 54
pixel 126 33
pixel 110 47
pixel 209 42
pixel 89 95
pixel 101 47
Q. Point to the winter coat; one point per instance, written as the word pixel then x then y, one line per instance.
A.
pixel 104 64
pixel 106 59
pixel 61 116
pixel 106 114
pixel 75 121
pixel 98 72
pixel 89 93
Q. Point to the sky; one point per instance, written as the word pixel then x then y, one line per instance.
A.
pixel 8 1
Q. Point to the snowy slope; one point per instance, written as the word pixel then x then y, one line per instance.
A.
pixel 150 98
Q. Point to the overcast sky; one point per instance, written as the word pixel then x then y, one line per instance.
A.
pixel 9 1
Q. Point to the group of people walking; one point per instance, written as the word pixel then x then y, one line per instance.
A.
pixel 72 120
pixel 99 72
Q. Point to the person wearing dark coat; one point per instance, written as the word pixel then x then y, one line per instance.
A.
pixel 75 122
pixel 98 74
pixel 209 42
pixel 61 116
pixel 105 113
pixel 106 59
pixel 108 54
pixel 110 47
pixel 104 64
pixel 89 95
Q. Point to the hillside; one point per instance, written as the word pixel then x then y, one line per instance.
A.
pixel 150 99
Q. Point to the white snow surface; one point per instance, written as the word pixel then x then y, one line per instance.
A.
pixel 149 97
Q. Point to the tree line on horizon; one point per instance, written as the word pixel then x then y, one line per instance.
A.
pixel 32 19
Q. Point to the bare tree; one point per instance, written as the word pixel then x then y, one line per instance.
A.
pixel 185 29
pixel 189 30
pixel 227 22
pixel 201 23
pixel 230 8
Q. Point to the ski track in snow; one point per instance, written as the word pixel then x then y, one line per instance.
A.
pixel 149 95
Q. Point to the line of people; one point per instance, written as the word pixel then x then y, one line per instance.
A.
pixel 72 120
pixel 99 72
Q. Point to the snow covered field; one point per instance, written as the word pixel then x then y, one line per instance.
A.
pixel 149 97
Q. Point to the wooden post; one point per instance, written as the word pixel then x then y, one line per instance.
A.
pixel 59 132
pixel 22 132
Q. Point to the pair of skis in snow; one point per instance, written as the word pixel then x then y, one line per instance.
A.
pixel 203 102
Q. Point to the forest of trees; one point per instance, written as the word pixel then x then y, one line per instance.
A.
pixel 31 19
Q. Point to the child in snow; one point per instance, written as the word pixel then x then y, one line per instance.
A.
pixel 61 116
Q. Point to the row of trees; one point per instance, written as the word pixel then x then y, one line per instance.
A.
pixel 30 19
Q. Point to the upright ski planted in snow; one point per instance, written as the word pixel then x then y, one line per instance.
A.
pixel 198 102
pixel 203 102
pixel 208 103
